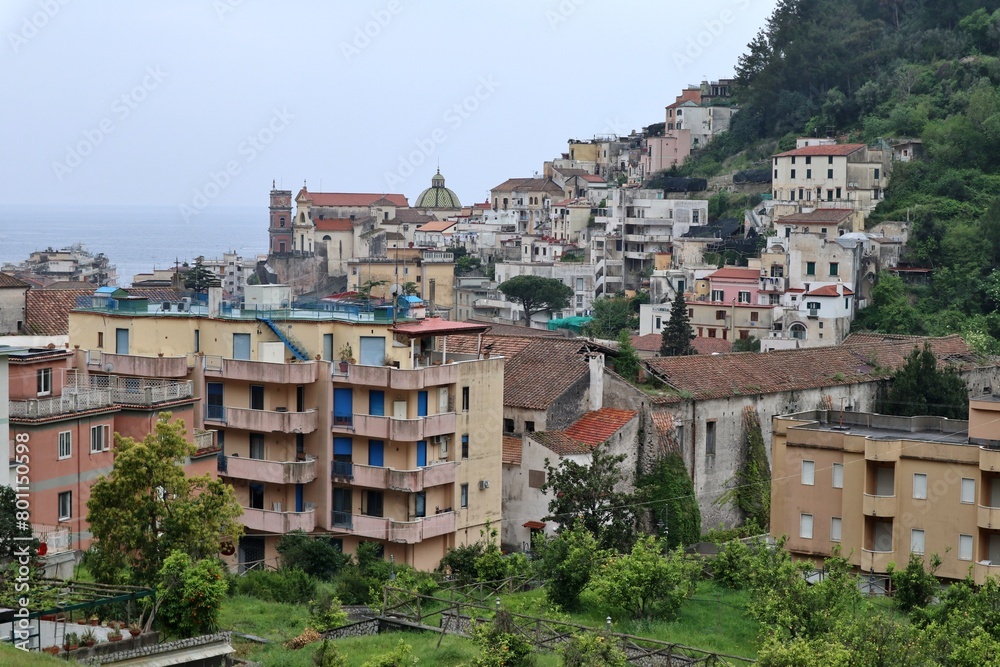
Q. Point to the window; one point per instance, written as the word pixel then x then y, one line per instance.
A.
pixel 718 295
pixel 808 473
pixel 710 438
pixel 813 305
pixel 798 331
pixel 465 495
pixel 43 380
pixel 838 193
pixel 968 490
pixel 420 503
pixel 508 425
pixel 465 446
pixel 257 446
pixel 829 174
pixel 965 547
pixel 695 217
pixel 373 503
pixel 806 526
pixel 916 541
pixel 823 231
pixel 256 397
pixel 877 173
pixel 835 529
pixel 579 284
pixel 838 475
pixel 809 173
pixel 579 301
pixel 793 173
pixel 743 297
pixel 711 333
pixel 465 399
pixel 810 268
pixel 65 444
pixel 100 339
pixel 829 160
pixel 754 316
pixel 536 479
pixel 920 486
pixel 65 505
pixel 720 314
pixel 529 427
pixel 99 438
pixel 690 312
pixel 829 195
pixel 834 268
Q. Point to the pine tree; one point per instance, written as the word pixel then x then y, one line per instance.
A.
pixel 678 334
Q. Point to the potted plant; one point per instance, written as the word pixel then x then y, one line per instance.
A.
pixel 88 638
pixel 71 641
pixel 346 357
pixel 115 635
pixel 134 629
pixel 95 620
pixel 51 650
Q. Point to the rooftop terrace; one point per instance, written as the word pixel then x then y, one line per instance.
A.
pixel 885 427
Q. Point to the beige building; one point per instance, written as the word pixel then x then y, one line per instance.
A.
pixel 820 173
pixel 883 487
pixel 432 271
pixel 387 439
pixel 531 200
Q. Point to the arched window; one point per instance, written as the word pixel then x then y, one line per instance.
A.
pixel 281 221
pixel 798 331
pixel 326 237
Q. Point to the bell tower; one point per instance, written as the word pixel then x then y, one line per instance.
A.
pixel 280 228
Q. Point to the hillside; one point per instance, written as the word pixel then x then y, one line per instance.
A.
pixel 869 70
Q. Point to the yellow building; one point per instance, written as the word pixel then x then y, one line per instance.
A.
pixel 399 443
pixel 882 487
pixel 432 271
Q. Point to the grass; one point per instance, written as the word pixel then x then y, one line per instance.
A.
pixel 12 657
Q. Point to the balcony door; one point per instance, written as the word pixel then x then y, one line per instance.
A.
pixel 121 341
pixel 421 403
pixel 214 404
pixel 256 397
pixel 257 446
pixel 421 453
pixel 342 508
pixel 241 346
pixel 342 457
pixel 376 453
pixel 376 402
pixel 257 496
pixel 372 350
pixel 343 407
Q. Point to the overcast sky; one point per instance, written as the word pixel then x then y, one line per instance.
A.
pixel 191 102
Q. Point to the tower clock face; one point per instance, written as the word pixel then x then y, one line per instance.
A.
pixel 284 201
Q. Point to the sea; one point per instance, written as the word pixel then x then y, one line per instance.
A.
pixel 136 239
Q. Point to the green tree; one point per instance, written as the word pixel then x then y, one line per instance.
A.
pixel 627 363
pixel 586 495
pixel 147 508
pixel 668 487
pixel 327 655
pixel 914 585
pixel 316 556
pixel 920 388
pixel 365 288
pixel 678 334
pixel 751 344
pixel 890 310
pixel 326 613
pixel 566 563
pixel 536 294
pixel 198 278
pixel 501 644
pixel 190 594
pixel 612 315
pixel 644 582
pixel 15 529
pixel 592 649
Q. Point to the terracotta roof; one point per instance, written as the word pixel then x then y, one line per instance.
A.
pixel 666 430
pixel 597 426
pixel 511 450
pixel 833 149
pixel 48 310
pixel 535 525
pixel 515 330
pixel 412 216
pixel 334 225
pixel 436 226
pixel 739 272
pixel 820 216
pixel 593 178
pixel 647 343
pixel 351 198
pixel 859 359
pixel 394 236
pixel 706 345
pixel 830 290
pixel 10 281
pixel 529 185
pixel 560 443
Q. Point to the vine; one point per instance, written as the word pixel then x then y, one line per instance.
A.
pixel 751 489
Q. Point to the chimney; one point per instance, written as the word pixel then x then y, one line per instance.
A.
pixel 596 361
pixel 214 301
pixel 840 288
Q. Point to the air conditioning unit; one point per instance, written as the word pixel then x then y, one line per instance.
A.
pixel 443 442
pixel 181 307
pixel 187 302
pixel 165 307
pixel 275 507
pixel 484 484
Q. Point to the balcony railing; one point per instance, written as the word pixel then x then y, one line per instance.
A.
pixel 271 420
pixel 215 413
pixel 411 481
pixel 270 521
pixel 342 520
pixel 273 472
pixel 56 540
pixel 261 371
pixel 129 390
pixel 882 449
pixel 406 532
pixel 404 430
pixel 138 365
pixel 342 470
pixel 72 400
pixel 873 560
pixel 989 459
pixel 881 506
pixel 988 517
pixel 982 570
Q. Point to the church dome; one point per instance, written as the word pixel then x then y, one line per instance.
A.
pixel 437 196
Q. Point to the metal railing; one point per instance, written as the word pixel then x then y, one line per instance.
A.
pixel 342 520
pixel 70 401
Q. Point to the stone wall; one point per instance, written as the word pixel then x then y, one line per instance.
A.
pixel 363 628
pixel 145 646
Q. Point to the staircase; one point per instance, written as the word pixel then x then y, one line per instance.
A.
pixel 296 348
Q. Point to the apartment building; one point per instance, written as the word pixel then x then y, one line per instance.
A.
pixel 389 439
pixel 822 173
pixel 883 487
pixel 432 271
pixel 531 200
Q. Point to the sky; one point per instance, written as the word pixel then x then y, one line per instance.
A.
pixel 195 103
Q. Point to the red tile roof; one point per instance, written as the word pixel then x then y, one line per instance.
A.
pixel 738 272
pixel 820 216
pixel 861 358
pixel 830 290
pixel 10 281
pixel 833 149
pixel 560 443
pixel 706 345
pixel 515 330
pixel 436 226
pixel 334 225
pixel 647 343
pixel 528 185
pixel 511 450
pixel 48 309
pixel 351 198
pixel 596 427
pixel 666 431
pixel 593 178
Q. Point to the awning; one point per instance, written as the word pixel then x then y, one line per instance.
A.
pixel 534 525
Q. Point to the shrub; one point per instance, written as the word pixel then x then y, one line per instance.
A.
pixel 914 585
pixel 401 656
pixel 355 588
pixel 645 583
pixel 567 562
pixel 732 564
pixel 327 655
pixel 501 644
pixel 316 556
pixel 325 613
pixel 592 650
pixel 190 594
pixel 291 586
pixel 461 562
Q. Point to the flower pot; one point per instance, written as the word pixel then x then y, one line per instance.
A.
pixel 94 622
pixel 51 650
pixel 135 633
pixel 71 647
pixel 114 638
pixel 88 644
pixel 343 366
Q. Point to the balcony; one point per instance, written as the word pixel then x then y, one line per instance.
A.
pixel 134 364
pixel 404 430
pixel 882 449
pixel 983 570
pixel 881 506
pixel 270 521
pixel 262 371
pixel 273 472
pixel 988 517
pixel 127 390
pixel 405 532
pixel 265 421
pixel 876 561
pixel 76 400
pixel 411 481
pixel 989 459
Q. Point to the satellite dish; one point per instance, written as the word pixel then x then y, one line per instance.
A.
pixel 396 290
pixel 108 368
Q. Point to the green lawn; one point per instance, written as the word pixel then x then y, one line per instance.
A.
pixel 12 657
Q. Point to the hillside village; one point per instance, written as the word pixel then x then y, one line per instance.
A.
pixel 376 381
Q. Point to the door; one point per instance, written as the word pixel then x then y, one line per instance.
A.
pixel 327 347
pixel 883 536
pixel 241 346
pixel 376 402
pixel 298 498
pixel 376 453
pixel 257 446
pixel 372 350
pixel 251 551
pixel 399 409
pixel 214 407
pixel 420 503
pixel 257 496
pixel 256 397
pixel 342 508
pixel 421 403
pixel 300 398
pixel 343 407
pixel 884 481
pixel 342 457
pixel 421 453
pixel 443 399
pixel 121 341
pixel 995 492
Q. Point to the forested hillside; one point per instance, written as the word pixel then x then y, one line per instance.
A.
pixel 867 70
